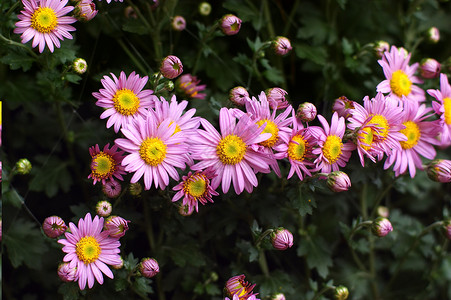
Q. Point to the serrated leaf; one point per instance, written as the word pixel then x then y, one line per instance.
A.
pixel 17 60
pixel 74 78
pixel 302 200
pixel 50 177
pixel 212 289
pixel 142 286
pixel 317 254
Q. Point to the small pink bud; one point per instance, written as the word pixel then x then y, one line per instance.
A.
pixel 178 23
pixel 338 181
pixel 433 34
pixel 54 226
pixel 276 98
pixel 281 239
pixel 281 45
pixel 439 170
pixel 380 47
pixel 381 227
pixel 383 211
pixel 112 188
pixel 238 95
pixel 104 208
pixel 66 273
pixel 116 226
pixel 279 296
pixel 171 67
pixel 149 267
pixel 230 24
pixel 85 10
pixel 430 68
pixel 306 112
pixel 186 210
pixel 343 106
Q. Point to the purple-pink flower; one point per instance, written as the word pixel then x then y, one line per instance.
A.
pixel 281 45
pixel 239 95
pixel 116 226
pixel 171 67
pixel 54 226
pixel 442 107
pixel 149 267
pixel 276 98
pixel 189 85
pixel 106 163
pixel 230 24
pixel 281 239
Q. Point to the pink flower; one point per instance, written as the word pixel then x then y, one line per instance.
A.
pixel 281 45
pixel 149 267
pixel 338 181
pixel 112 189
pixel 306 112
pixel 237 286
pixel 104 208
pixel 442 107
pixel 231 154
pixel 344 107
pixel 171 67
pixel 276 98
pixel 66 273
pixel 439 170
pixel 230 24
pixel 239 95
pixel 45 22
pixel 54 226
pixel 281 239
pixel 189 85
pixel 116 226
pixel 89 249
pixel 156 149
pixel 178 23
pixel 430 68
pixel 380 47
pixel 400 80
pixel 85 10
pixel 381 227
pixel 433 34
pixel 124 99
pixel 106 163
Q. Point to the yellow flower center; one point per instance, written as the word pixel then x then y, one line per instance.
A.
pixel 126 102
pixel 272 128
pixel 87 249
pixel 195 187
pixel 296 148
pixel 381 122
pixel 447 106
pixel 231 149
pixel 332 148
pixel 153 151
pixel 103 165
pixel 413 134
pixel 44 20
pixel 366 136
pixel 400 83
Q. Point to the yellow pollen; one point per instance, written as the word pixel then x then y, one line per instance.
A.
pixel 126 102
pixel 447 106
pixel 296 149
pixel 87 249
pixel 231 149
pixel 272 128
pixel 400 83
pixel 332 148
pixel 152 151
pixel 413 134
pixel 196 186
pixel 382 132
pixel 366 136
pixel 44 20
pixel 103 165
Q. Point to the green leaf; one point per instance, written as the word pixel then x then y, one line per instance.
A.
pixel 317 254
pixel 50 177
pixel 17 60
pixel 74 78
pixel 212 290
pixel 302 200
pixel 142 286
pixel 317 55
pixel 187 254
pixel 135 26
pixel 11 197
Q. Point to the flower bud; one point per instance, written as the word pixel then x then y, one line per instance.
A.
pixel 129 12
pixel 112 188
pixel 430 68
pixel 204 8
pixel 281 45
pixel 281 239
pixel 169 85
pixel 343 106
pixel 238 95
pixel 433 34
pixel 380 47
pixel 383 211
pixel 171 67
pixel 279 296
pixel 306 112
pixel 66 273
pixel 214 276
pixel 178 23
pixel 230 24
pixel 149 267
pixel 54 226
pixel 381 227
pixel 116 226
pixel 85 10
pixel 186 210
pixel 341 292
pixel 190 86
pixel 236 285
pixel 135 189
pixel 23 166
pixel 439 170
pixel 80 65
pixel 104 208
pixel 338 181
pixel 276 98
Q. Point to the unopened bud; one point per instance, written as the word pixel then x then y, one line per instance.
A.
pixel 135 189
pixel 204 8
pixel 80 65
pixel 306 112
pixel 66 273
pixel 230 24
pixel 338 181
pixel 104 208
pixel 53 226
pixel 178 23
pixel 85 10
pixel 430 68
pixel 343 106
pixel 380 47
pixel 439 170
pixel 433 34
pixel 116 226
pixel 279 296
pixel 149 267
pixel 341 292
pixel 238 95
pixel 281 45
pixel 381 227
pixel 171 67
pixel 281 238
pixel 118 266
pixel 383 211
pixel 23 166
pixel 277 98
pixel 169 85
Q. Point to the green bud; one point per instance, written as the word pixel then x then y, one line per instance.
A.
pixel 23 166
pixel 341 293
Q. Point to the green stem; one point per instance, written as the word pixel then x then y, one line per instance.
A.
pixel 322 291
pixel 373 269
pixel 294 10
pixel 148 224
pixel 269 25
pixel 263 263
pixel 363 204
pixel 131 56
pixel 262 236
pixel 349 241
pixel 10 42
pixel 380 197
pixel 11 9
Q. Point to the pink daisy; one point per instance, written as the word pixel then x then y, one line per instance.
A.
pixel 123 99
pixel 195 188
pixel 400 80
pixel 106 163
pixel 155 150
pixel 376 127
pixel 420 139
pixel 189 85
pixel 442 107
pixel 89 249
pixel 332 152
pixel 45 22
pixel 231 154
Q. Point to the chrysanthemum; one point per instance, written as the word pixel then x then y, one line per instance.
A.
pixel 400 80
pixel 231 154
pixel 277 125
pixel 90 249
pixel 155 150
pixel 189 85
pixel 236 286
pixel 123 98
pixel 377 124
pixel 420 140
pixel 195 188
pixel 332 152
pixel 45 22
pixel 106 163
pixel 442 107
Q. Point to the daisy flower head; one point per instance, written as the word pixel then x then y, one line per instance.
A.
pixel 123 99
pixel 106 163
pixel 420 140
pixel 45 22
pixel 400 80
pixel 195 188
pixel 189 85
pixel 277 98
pixel 442 107
pixel 331 151
pixel 237 287
pixel 90 250
pixel 376 127
pixel 156 149
pixel 231 153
